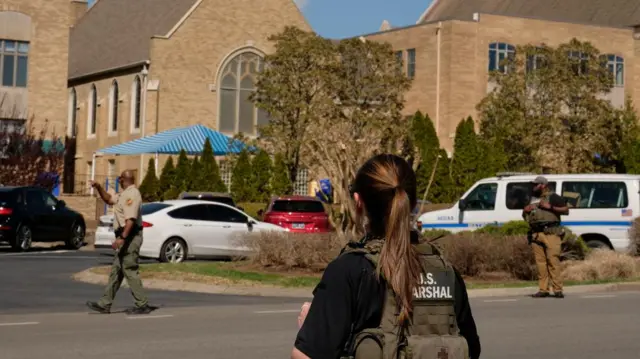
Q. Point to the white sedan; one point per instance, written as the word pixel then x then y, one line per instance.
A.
pixel 180 229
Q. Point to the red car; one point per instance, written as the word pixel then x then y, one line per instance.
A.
pixel 299 214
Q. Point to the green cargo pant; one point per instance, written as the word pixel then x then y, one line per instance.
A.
pixel 125 265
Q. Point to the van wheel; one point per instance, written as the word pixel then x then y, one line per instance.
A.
pixel 174 250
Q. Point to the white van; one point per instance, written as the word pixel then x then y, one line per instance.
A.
pixel 602 206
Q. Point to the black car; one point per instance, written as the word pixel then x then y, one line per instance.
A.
pixel 31 214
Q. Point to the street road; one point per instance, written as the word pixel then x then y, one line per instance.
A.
pixel 589 326
pixel 40 282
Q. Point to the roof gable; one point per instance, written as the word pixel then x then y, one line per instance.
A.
pixel 610 13
pixel 117 33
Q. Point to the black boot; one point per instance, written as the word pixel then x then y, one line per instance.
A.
pixel 558 295
pixel 98 308
pixel 145 309
pixel 540 295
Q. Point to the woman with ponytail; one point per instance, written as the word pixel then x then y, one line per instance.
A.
pixel 351 294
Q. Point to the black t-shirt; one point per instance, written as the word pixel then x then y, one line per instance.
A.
pixel 336 306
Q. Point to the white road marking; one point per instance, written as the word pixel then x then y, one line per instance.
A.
pixel 500 300
pixel 598 296
pixel 35 253
pixel 57 257
pixel 15 324
pixel 151 316
pixel 277 311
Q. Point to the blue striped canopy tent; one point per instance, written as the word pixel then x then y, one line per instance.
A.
pixel 190 139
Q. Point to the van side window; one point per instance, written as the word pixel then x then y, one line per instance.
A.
pixel 519 194
pixel 482 198
pixel 595 194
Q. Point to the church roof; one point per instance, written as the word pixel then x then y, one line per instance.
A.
pixel 117 33
pixel 609 13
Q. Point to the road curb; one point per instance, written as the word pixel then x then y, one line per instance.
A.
pixel 87 276
pixel 574 289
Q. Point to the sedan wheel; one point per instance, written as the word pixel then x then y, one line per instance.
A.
pixel 77 237
pixel 24 238
pixel 173 251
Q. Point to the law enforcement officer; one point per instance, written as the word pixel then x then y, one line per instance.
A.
pixel 543 215
pixel 128 232
pixel 387 283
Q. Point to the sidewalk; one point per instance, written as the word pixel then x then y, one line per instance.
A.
pixel 89 277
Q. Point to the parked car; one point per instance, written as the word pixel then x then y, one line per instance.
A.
pixel 180 229
pixel 31 214
pixel 602 207
pixel 299 214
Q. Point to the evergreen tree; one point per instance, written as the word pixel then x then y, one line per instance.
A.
pixel 181 178
pixel 426 140
pixel 261 177
pixel 210 171
pixel 241 177
pixel 465 164
pixel 166 178
pixel 442 189
pixel 196 178
pixel 150 186
pixel 280 182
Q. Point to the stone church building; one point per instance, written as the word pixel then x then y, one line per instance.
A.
pixel 123 69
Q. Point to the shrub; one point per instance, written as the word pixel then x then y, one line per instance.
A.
pixel 150 186
pixel 241 178
pixel 261 167
pixel 167 178
pixel 280 182
pixel 634 238
pixel 602 265
pixel 474 254
pixel 211 170
pixel 287 251
pixel 511 228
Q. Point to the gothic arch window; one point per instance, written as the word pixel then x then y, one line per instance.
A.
pixel 92 111
pixel 73 105
pixel 114 97
pixel 238 80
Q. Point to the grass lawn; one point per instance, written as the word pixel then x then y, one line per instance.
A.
pixel 239 273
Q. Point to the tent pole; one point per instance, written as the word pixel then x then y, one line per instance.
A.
pixel 157 158
pixel 93 170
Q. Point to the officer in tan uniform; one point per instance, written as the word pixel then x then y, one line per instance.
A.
pixel 545 235
pixel 128 232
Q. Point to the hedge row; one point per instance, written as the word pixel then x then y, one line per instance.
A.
pixel 474 254
pixel 253 178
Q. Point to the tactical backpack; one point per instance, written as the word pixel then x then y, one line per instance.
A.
pixel 432 332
